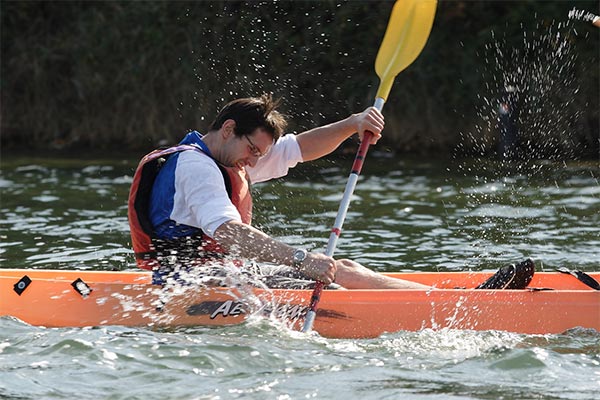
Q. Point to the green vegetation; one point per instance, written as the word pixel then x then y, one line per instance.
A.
pixel 109 75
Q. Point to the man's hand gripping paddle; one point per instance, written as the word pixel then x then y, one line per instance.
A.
pixel 405 37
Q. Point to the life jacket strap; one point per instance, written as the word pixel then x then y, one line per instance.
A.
pixel 146 255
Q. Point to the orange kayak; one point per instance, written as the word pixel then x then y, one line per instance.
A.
pixel 553 303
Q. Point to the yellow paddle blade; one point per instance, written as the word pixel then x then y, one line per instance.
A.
pixel 405 37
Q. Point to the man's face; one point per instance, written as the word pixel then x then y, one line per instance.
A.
pixel 243 151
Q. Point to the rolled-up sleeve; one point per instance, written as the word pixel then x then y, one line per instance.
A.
pixel 284 154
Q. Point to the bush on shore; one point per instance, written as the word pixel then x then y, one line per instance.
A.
pixel 131 75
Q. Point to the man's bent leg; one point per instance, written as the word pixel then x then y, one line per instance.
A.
pixel 352 275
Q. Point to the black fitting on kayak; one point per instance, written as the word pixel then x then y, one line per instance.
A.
pixel 81 287
pixel 23 283
pixel 582 276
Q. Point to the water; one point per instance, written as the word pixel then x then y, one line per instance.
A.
pixel 581 15
pixel 537 82
pixel 261 362
pixel 407 214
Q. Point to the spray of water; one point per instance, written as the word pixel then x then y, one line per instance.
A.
pixel 236 53
pixel 531 90
pixel 532 86
pixel 582 15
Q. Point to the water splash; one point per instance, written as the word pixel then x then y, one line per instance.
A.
pixel 532 84
pixel 240 284
pixel 534 72
pixel 582 15
pixel 240 57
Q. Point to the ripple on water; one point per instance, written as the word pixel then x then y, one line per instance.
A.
pixel 263 358
pixel 512 212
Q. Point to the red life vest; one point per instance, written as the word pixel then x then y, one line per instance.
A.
pixel 142 232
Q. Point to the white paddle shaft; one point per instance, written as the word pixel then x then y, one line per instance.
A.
pixel 345 203
pixel 339 220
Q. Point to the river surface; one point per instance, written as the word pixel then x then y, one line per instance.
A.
pixel 406 215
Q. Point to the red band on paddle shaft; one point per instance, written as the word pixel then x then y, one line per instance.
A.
pixel 362 153
pixel 337 231
pixel 316 296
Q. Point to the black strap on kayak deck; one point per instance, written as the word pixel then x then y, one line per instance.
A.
pixel 582 276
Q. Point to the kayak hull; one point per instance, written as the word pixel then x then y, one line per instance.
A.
pixel 59 298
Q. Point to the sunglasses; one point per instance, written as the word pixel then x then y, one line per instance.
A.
pixel 253 149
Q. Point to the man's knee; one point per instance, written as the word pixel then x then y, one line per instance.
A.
pixel 349 265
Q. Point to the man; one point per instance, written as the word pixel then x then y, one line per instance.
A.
pixel 196 210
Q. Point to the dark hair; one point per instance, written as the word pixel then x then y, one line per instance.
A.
pixel 252 113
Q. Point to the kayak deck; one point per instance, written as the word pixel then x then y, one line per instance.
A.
pixel 68 298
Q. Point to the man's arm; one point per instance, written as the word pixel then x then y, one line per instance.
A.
pixel 244 241
pixel 321 141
